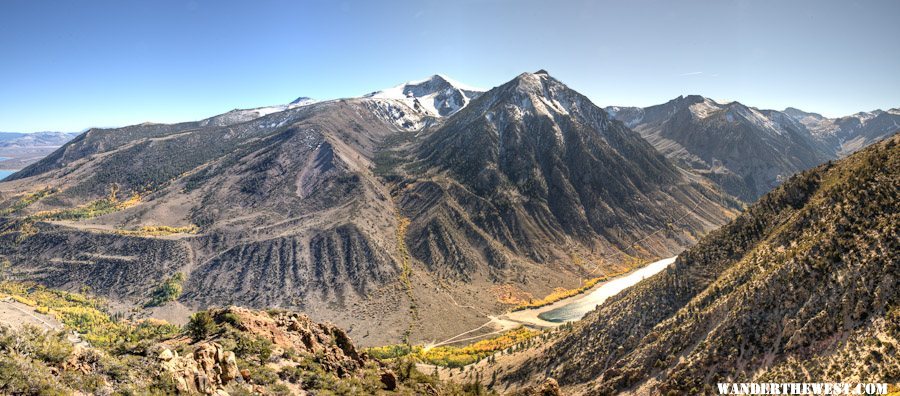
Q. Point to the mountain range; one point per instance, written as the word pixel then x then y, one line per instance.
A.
pixel 346 209
pixel 422 212
pixel 748 151
pixel 406 197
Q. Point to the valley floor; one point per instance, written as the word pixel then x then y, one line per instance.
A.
pixel 562 311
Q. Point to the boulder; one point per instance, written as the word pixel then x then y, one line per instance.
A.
pixel 207 371
pixel 389 379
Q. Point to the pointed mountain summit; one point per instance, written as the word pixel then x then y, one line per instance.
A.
pixel 532 162
pixel 437 95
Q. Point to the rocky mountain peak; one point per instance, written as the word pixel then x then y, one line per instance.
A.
pixel 800 114
pixel 303 100
pixel 437 95
pixel 539 94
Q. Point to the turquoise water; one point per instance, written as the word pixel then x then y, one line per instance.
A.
pixel 578 308
pixel 6 172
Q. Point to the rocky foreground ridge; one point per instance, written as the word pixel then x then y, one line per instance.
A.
pixel 222 351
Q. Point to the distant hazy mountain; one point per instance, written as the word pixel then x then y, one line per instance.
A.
pixel 35 139
pixel 795 289
pixel 18 150
pixel 845 135
pixel 370 212
pixel 745 150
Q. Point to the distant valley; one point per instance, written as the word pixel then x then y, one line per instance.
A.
pixel 18 150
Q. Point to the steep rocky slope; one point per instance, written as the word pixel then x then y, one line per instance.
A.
pixel 369 212
pixel 802 287
pixel 284 208
pixel 745 150
pixel 532 162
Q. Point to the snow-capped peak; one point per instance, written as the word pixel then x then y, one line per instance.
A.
pixel 864 116
pixel 437 96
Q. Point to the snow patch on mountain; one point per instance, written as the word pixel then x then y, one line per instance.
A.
pixel 238 116
pixel 703 109
pixel 397 112
pixel 817 125
pixel 737 111
pixel 436 96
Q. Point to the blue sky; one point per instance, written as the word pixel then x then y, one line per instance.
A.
pixel 72 65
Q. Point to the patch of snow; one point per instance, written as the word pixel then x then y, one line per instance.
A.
pixel 437 96
pixel 703 109
pixel 238 116
pixel 396 112
pixel 753 116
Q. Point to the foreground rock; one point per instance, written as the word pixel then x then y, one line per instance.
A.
pixel 207 370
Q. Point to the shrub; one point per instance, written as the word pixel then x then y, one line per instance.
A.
pixel 22 376
pixel 169 290
pixel 261 375
pixel 201 326
pixel 248 346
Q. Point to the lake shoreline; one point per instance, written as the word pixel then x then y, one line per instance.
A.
pixel 583 303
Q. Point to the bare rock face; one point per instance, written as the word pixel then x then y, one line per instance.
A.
pixel 746 151
pixel 290 330
pixel 207 371
pixel 547 388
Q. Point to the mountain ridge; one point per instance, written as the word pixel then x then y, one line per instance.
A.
pixel 747 151
pixel 347 210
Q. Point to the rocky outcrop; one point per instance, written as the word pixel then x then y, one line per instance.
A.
pixel 547 388
pixel 206 371
pixel 291 330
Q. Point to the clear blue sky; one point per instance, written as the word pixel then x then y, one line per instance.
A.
pixel 68 65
